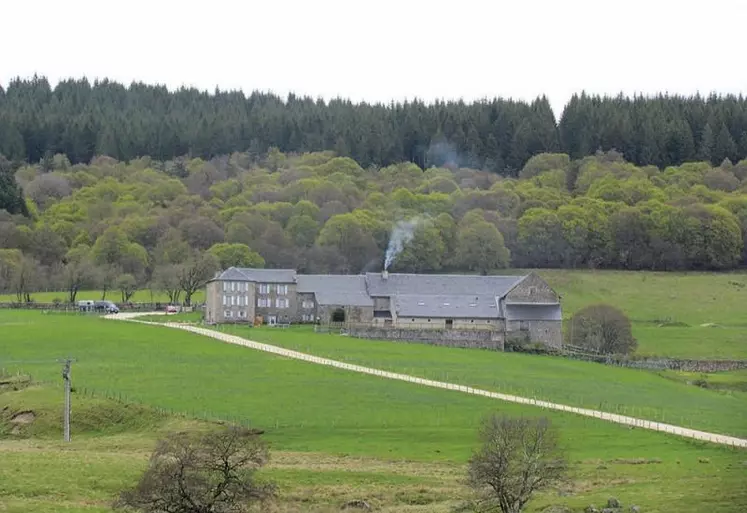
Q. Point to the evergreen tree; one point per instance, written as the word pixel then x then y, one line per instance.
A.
pixel 724 146
pixel 707 144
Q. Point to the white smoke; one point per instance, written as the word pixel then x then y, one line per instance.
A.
pixel 402 233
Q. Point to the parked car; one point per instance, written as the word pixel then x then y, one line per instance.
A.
pixel 172 309
pixel 106 306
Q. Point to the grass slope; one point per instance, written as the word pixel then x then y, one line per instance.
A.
pixel 630 391
pixel 668 309
pixel 312 409
pixel 656 301
pixel 141 296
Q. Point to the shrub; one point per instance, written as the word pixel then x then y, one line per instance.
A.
pixel 603 329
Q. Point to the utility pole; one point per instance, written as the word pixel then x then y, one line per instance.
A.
pixel 66 376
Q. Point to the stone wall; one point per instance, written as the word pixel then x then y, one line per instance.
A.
pixel 532 289
pixel 481 339
pixel 549 333
pixel 353 314
pixel 665 363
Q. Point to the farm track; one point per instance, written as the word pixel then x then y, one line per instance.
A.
pixel 610 417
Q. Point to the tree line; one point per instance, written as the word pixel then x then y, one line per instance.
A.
pixel 81 120
pixel 171 224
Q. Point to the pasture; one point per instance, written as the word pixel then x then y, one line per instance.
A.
pixel 315 414
pixel 634 392
pixel 678 315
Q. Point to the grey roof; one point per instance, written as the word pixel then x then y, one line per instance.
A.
pixel 335 289
pixel 440 284
pixel 258 275
pixel 231 274
pixel 457 306
pixel 537 312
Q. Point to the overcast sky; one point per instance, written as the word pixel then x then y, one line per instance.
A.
pixel 382 50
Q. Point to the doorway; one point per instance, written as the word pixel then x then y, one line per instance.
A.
pixel 449 324
pixel 272 320
pixel 338 315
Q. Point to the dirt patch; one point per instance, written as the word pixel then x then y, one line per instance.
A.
pixel 636 461
pixel 23 417
pixel 14 383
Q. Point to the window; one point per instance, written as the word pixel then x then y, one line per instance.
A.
pixel 246 300
pixel 307 304
pixel 281 290
pixel 242 314
pixel 263 302
pixel 264 289
pixel 225 300
pixel 225 286
pixel 227 313
pixel 524 325
pixel 233 286
pixel 281 303
pixel 233 300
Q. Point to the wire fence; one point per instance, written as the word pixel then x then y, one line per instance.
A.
pixel 598 414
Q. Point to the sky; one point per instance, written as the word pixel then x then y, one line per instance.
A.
pixel 383 50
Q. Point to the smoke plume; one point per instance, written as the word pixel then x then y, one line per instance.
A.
pixel 402 233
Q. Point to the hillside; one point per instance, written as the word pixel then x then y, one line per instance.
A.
pixel 82 120
pixel 336 436
pixel 166 225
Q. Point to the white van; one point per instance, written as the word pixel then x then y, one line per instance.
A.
pixel 86 305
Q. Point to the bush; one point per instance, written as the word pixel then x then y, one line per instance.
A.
pixel 602 329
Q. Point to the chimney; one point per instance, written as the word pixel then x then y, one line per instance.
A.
pixel 384 274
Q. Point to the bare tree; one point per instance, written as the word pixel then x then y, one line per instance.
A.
pixel 48 188
pixel 518 456
pixel 195 272
pixel 127 285
pixel 208 473
pixel 166 278
pixel 25 278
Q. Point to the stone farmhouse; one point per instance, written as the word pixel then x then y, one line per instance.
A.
pixel 462 310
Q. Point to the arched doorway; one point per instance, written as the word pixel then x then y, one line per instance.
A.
pixel 338 315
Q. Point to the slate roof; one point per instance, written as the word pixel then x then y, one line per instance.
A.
pixel 440 284
pixel 537 312
pixel 335 289
pixel 258 275
pixel 456 306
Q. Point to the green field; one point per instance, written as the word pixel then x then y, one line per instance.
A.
pixel 673 314
pixel 634 392
pixel 315 413
pixel 141 296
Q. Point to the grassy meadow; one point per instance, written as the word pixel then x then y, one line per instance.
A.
pixel 682 315
pixel 635 392
pixel 140 296
pixel 337 435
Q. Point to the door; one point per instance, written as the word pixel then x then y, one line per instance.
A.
pixel 449 324
pixel 272 320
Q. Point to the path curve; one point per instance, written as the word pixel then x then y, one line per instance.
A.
pixel 611 417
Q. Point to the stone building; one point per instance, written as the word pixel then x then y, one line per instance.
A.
pixel 473 310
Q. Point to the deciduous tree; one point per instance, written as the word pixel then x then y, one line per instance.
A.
pixel 214 472
pixel 517 457
pixel 195 272
pixel 601 329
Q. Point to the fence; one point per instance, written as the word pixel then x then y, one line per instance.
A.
pixel 611 417
pixel 67 307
